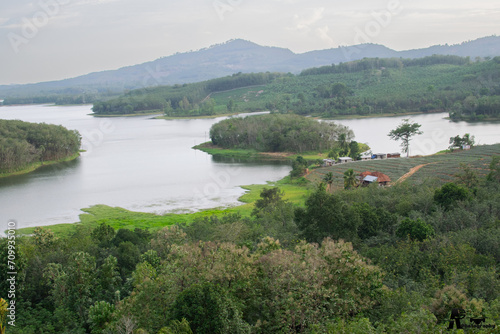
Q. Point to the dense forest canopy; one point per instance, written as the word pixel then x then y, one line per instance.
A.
pixel 464 88
pixel 367 260
pixel 68 96
pixel 467 90
pixel 23 143
pixel 378 63
pixel 277 133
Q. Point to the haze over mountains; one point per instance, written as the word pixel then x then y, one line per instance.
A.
pixel 232 57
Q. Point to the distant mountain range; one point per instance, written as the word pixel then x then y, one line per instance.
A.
pixel 232 57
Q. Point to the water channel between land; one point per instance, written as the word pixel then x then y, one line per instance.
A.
pixel 146 164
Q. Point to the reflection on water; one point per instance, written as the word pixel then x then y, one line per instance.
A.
pixel 62 169
pixel 251 161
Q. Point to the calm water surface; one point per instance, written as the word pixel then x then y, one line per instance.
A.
pixel 144 164
pixel 137 163
pixel 436 132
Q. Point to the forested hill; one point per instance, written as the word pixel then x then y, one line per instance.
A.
pixel 371 86
pixel 23 144
pixel 217 61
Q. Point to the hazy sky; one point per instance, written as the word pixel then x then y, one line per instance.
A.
pixel 55 39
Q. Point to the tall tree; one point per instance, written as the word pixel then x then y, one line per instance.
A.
pixel 494 174
pixel 458 141
pixel 354 151
pixel 328 178
pixel 209 308
pixel 349 179
pixel 344 144
pixel 404 132
pixel 327 215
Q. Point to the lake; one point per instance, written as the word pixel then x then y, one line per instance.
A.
pixel 137 163
pixel 437 131
pixel 144 164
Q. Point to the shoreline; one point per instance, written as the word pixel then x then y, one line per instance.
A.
pixel 125 115
pixel 197 117
pixel 342 117
pixel 211 149
pixel 339 117
pixel 160 115
pixel 296 191
pixel 39 164
pixel 114 216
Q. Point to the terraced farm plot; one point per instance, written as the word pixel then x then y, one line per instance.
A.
pixel 440 166
pixel 246 98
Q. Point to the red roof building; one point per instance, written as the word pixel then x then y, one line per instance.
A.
pixel 381 178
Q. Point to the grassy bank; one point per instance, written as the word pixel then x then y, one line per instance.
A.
pixel 34 166
pixel 211 149
pixel 197 117
pixel 147 113
pixel 394 114
pixel 159 115
pixel 117 217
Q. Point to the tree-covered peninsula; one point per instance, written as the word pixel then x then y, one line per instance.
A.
pixel 181 100
pixel 277 133
pixel 24 146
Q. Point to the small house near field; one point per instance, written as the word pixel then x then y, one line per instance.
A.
pixel 379 156
pixel 367 178
pixel 328 162
pixel 394 155
pixel 343 160
pixel 365 157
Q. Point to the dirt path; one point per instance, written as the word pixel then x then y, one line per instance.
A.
pixel 206 98
pixel 410 173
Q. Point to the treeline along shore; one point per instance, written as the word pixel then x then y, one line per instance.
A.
pixel 466 89
pixel 25 146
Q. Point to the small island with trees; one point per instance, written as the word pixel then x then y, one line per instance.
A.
pixel 302 139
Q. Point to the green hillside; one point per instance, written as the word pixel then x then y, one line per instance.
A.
pixel 181 100
pixel 380 86
pixel 467 90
